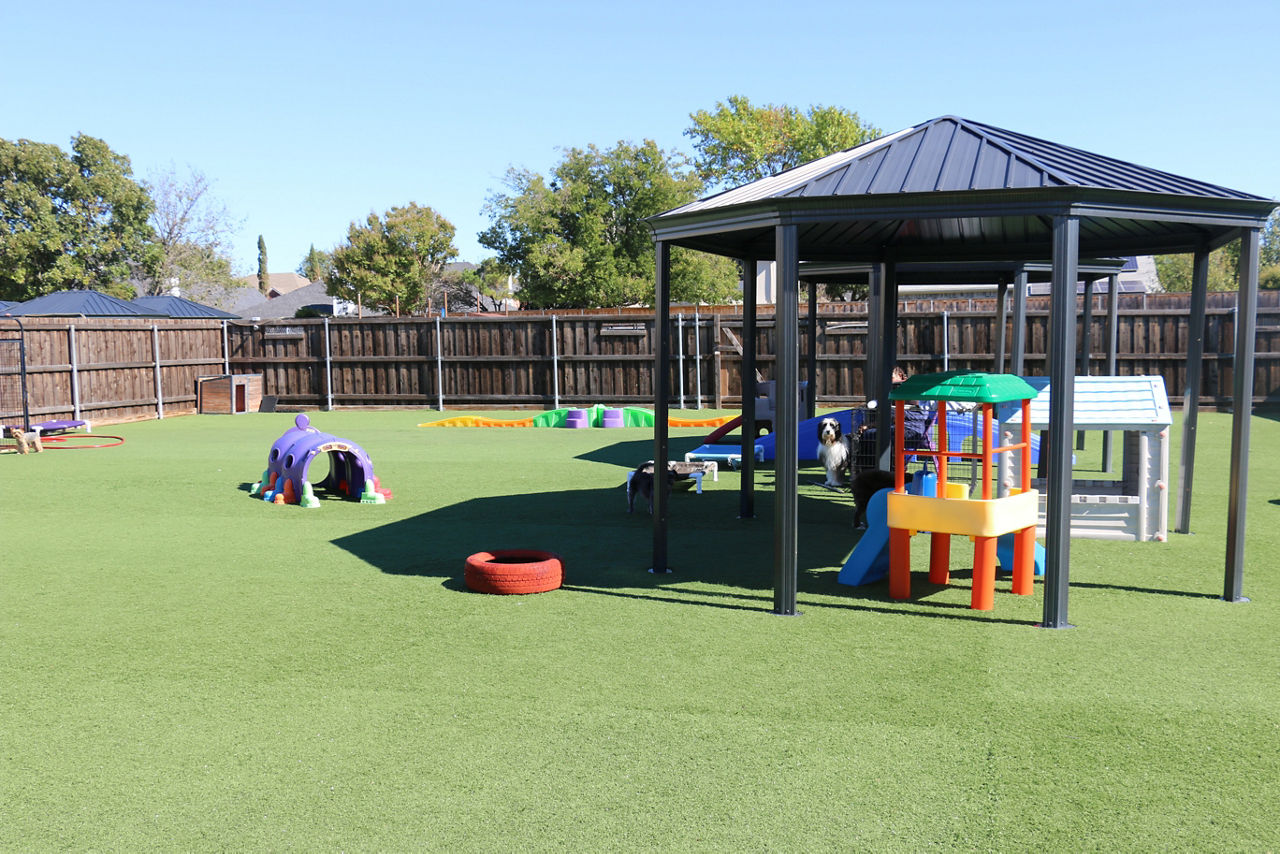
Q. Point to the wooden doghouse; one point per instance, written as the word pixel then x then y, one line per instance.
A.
pixel 1136 505
pixel 228 394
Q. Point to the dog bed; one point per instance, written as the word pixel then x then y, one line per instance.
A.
pixel 513 571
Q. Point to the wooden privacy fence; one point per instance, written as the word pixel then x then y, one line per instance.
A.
pixel 121 369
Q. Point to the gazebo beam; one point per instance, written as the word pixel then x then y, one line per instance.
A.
pixel 1017 365
pixel 811 363
pixel 1191 392
pixel 1062 346
pixel 1241 413
pixel 747 487
pixel 786 423
pixel 1113 317
pixel 661 401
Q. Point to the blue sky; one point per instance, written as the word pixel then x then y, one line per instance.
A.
pixel 307 116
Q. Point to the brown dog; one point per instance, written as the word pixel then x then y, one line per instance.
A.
pixel 866 484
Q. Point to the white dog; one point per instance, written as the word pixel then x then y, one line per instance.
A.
pixel 835 451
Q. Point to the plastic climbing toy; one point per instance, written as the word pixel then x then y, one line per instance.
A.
pixel 951 510
pixel 285 479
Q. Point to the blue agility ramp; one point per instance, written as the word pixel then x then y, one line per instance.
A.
pixel 807 435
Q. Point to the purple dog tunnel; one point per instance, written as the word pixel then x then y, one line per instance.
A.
pixel 289 460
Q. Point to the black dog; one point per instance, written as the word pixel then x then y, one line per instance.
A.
pixel 866 484
pixel 641 483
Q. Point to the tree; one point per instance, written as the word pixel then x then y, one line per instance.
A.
pixel 491 283
pixel 1269 252
pixel 392 262
pixel 1224 264
pixel 315 265
pixel 738 143
pixel 75 221
pixel 578 238
pixel 264 274
pixel 193 231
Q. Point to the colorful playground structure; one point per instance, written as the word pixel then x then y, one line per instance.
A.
pixel 951 510
pixel 285 479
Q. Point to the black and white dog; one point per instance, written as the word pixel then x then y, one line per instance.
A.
pixel 835 451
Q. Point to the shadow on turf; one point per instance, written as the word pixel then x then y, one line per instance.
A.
pixel 607 551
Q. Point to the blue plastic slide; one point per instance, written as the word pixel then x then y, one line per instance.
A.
pixel 1004 554
pixel 870 559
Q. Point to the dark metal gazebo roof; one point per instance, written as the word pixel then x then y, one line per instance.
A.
pixel 957 191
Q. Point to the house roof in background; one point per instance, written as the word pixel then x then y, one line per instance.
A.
pixel 172 306
pixel 281 283
pixel 79 304
pixel 287 305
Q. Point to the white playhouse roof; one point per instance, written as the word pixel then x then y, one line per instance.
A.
pixel 1102 403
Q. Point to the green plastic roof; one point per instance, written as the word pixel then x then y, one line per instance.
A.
pixel 964 386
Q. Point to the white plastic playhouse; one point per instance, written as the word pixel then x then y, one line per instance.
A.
pixel 1135 506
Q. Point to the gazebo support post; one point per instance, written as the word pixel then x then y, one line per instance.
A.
pixel 1241 412
pixel 1086 344
pixel 1002 321
pixel 1191 392
pixel 883 325
pixel 1062 346
pixel 661 395
pixel 747 486
pixel 874 353
pixel 811 374
pixel 786 422
pixel 1018 346
pixel 1113 318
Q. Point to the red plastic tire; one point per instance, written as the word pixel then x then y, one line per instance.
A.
pixel 514 571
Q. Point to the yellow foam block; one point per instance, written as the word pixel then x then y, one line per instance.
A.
pixel 676 421
pixel 974 517
pixel 478 421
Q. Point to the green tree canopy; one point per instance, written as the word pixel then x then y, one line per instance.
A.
pixel 1224 264
pixel 315 264
pixel 738 142
pixel 578 238
pixel 264 273
pixel 71 221
pixel 393 261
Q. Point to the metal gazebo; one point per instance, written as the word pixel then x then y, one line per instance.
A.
pixel 952 190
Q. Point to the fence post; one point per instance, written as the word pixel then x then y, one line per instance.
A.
pixel 946 342
pixel 439 369
pixel 226 350
pixel 680 355
pixel 328 370
pixel 716 367
pixel 155 348
pixel 555 365
pixel 75 372
pixel 697 358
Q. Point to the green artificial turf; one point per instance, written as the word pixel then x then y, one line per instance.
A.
pixel 185 668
